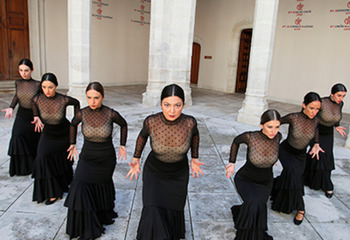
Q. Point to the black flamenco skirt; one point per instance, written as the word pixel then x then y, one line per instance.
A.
pixel 23 143
pixel 52 171
pixel 250 217
pixel 164 197
pixel 90 200
pixel 288 188
pixel 317 173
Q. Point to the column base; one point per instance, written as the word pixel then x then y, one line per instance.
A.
pixel 253 107
pixel 347 143
pixel 77 92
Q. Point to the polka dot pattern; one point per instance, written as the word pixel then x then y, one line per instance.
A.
pixel 25 91
pixel 97 124
pixel 170 140
pixel 330 113
pixel 302 129
pixel 53 110
pixel 262 151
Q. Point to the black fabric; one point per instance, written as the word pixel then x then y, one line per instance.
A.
pixel 52 171
pixel 23 143
pixel 317 173
pixel 165 175
pixel 254 183
pixel 288 189
pixel 91 197
pixel 164 201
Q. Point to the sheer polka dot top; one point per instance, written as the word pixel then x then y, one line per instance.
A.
pixel 262 151
pixel 52 110
pixel 330 113
pixel 170 140
pixel 302 129
pixel 97 125
pixel 25 91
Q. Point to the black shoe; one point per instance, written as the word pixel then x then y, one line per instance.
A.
pixel 328 194
pixel 267 236
pixel 49 201
pixel 298 222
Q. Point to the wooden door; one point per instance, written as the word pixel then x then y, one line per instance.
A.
pixel 196 52
pixel 14 37
pixel 243 61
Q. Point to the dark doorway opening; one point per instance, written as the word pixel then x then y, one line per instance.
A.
pixel 243 61
pixel 196 52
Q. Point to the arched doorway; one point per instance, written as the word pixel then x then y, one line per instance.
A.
pixel 14 37
pixel 243 60
pixel 196 52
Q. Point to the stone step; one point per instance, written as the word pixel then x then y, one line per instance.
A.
pixel 7 85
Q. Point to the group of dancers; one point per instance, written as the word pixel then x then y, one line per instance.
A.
pixel 43 144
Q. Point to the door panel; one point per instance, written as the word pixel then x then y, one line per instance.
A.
pixel 196 52
pixel 14 37
pixel 243 61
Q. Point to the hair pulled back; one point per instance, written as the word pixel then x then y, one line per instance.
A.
pixel 49 77
pixel 173 90
pixel 26 62
pixel 97 86
pixel 270 115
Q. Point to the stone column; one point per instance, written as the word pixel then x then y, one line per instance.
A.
pixel 79 45
pixel 170 48
pixel 347 143
pixel 36 17
pixel 255 103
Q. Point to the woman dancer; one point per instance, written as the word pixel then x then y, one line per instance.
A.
pixel 24 140
pixel 166 173
pixel 91 196
pixel 52 171
pixel 288 190
pixel 254 180
pixel 317 173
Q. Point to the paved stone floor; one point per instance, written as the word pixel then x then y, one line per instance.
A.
pixel 210 197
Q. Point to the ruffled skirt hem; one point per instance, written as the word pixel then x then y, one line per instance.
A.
pixel 52 175
pixel 160 223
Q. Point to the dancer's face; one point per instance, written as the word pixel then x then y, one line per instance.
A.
pixel 25 71
pixel 271 128
pixel 172 107
pixel 312 109
pixel 49 88
pixel 94 99
pixel 338 97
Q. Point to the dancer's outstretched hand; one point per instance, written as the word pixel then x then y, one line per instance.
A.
pixel 339 129
pixel 134 168
pixel 73 153
pixel 8 112
pixel 122 153
pixel 315 150
pixel 230 169
pixel 196 167
pixel 38 124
